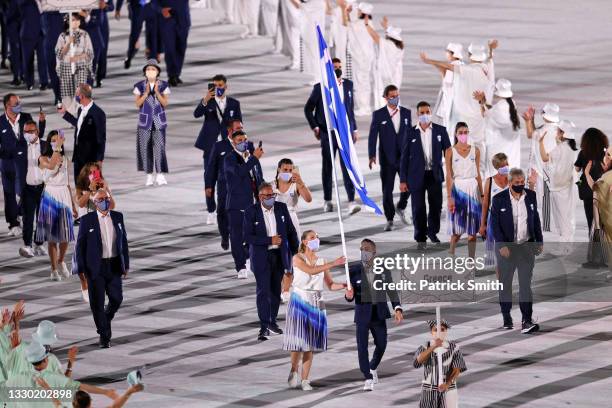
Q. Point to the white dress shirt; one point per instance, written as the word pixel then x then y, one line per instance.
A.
pixel 107 233
pixel 84 110
pixel 341 89
pixel 426 142
pixel 222 103
pixel 34 176
pixel 270 220
pixel 519 215
pixel 15 125
pixel 395 117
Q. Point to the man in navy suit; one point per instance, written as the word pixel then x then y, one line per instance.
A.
pixel 175 24
pixel 52 23
pixel 371 310
pixel 421 172
pixel 106 6
pixel 102 254
pixel 390 123
pixel 243 175
pixel 218 110
pixel 31 37
pixel 315 115
pixel 214 177
pixel 518 238
pixel 272 240
pixel 12 146
pixel 141 11
pixel 89 130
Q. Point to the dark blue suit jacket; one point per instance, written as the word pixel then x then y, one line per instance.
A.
pixel 412 168
pixel 391 143
pixel 11 147
pixel 215 174
pixel 315 115
pixel 212 127
pixel 90 142
pixel 89 243
pixel 30 20
pixel 256 235
pixel 135 5
pixel 240 193
pixel 366 296
pixel 502 221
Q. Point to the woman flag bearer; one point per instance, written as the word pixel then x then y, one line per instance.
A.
pixel 444 104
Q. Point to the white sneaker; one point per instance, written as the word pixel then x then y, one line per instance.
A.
pixel 243 274
pixel 285 297
pixel 40 250
pixel 328 206
pixel 150 180
pixel 160 180
pixel 368 385
pixel 54 275
pixel 293 380
pixel 14 232
pixel 26 252
pixel 353 208
pixel 63 270
pixel 306 385
pixel 211 218
pixel 374 376
pixel 85 295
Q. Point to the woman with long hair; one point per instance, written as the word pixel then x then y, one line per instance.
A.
pixel 600 248
pixel 306 322
pixel 464 189
pixel 289 187
pixel 56 210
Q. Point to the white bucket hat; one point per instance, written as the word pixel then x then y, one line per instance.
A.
pixel 45 333
pixel 456 49
pixel 503 88
pixel 395 33
pixel 134 378
pixel 477 52
pixel 568 128
pixel 550 112
pixel 35 352
pixel 365 8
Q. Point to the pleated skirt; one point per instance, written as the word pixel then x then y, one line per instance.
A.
pixel 54 223
pixel 468 208
pixel 306 322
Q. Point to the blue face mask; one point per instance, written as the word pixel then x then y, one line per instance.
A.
pixel 504 170
pixel 425 119
pixel 16 109
pixel 77 98
pixel 220 91
pixel 242 146
pixel 269 202
pixel 366 256
pixel 285 176
pixel 103 205
pixel 394 101
pixel 53 146
pixel 313 244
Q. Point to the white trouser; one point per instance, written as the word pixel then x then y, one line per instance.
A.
pixel 563 212
pixel 362 78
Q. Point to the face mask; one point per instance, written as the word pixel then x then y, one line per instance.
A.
pixel 366 256
pixel 424 119
pixel 269 202
pixel 394 101
pixel 463 138
pixel 220 91
pixel 504 170
pixel 151 76
pixel 53 146
pixel 30 137
pixel 103 205
pixel 313 244
pixel 16 109
pixel 518 189
pixel 338 72
pixel 242 147
pixel 285 176
pixel 77 98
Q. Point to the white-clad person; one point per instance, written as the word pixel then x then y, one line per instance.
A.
pixel 313 13
pixel 247 12
pixel 550 116
pixel 288 37
pixel 270 11
pixel 444 103
pixel 227 8
pixel 559 166
pixel 362 50
pixel 502 123
pixel 289 187
pixel 389 58
pixel 338 31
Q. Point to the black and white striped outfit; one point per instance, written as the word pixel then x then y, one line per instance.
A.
pixel 451 358
pixel 69 81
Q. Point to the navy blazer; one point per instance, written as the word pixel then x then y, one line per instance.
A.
pixel 135 4
pixel 365 295
pixel 30 20
pixel 502 221
pixel 88 247
pixel 11 147
pixel 256 236
pixel 215 174
pixel 240 193
pixel 179 11
pixel 211 128
pixel 90 142
pixel 315 115
pixel 391 142
pixel 412 167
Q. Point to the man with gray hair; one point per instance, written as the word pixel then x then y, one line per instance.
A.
pixel 90 130
pixel 518 238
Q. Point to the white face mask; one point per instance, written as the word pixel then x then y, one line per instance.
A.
pixel 285 176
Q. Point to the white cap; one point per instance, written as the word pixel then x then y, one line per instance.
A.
pixel 568 128
pixel 365 8
pixel 551 112
pixel 35 352
pixel 477 52
pixel 503 88
pixel 456 49
pixel 45 333
pixel 394 32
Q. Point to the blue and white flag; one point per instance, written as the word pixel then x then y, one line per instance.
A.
pixel 337 121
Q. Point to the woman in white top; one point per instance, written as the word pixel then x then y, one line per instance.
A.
pixel 464 189
pixel 306 322
pixel 57 209
pixel 494 185
pixel 444 103
pixel 289 187
pixel 559 167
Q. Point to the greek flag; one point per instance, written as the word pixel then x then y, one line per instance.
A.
pixel 337 121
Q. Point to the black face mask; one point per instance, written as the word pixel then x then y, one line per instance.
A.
pixel 338 72
pixel 518 189
pixel 362 16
